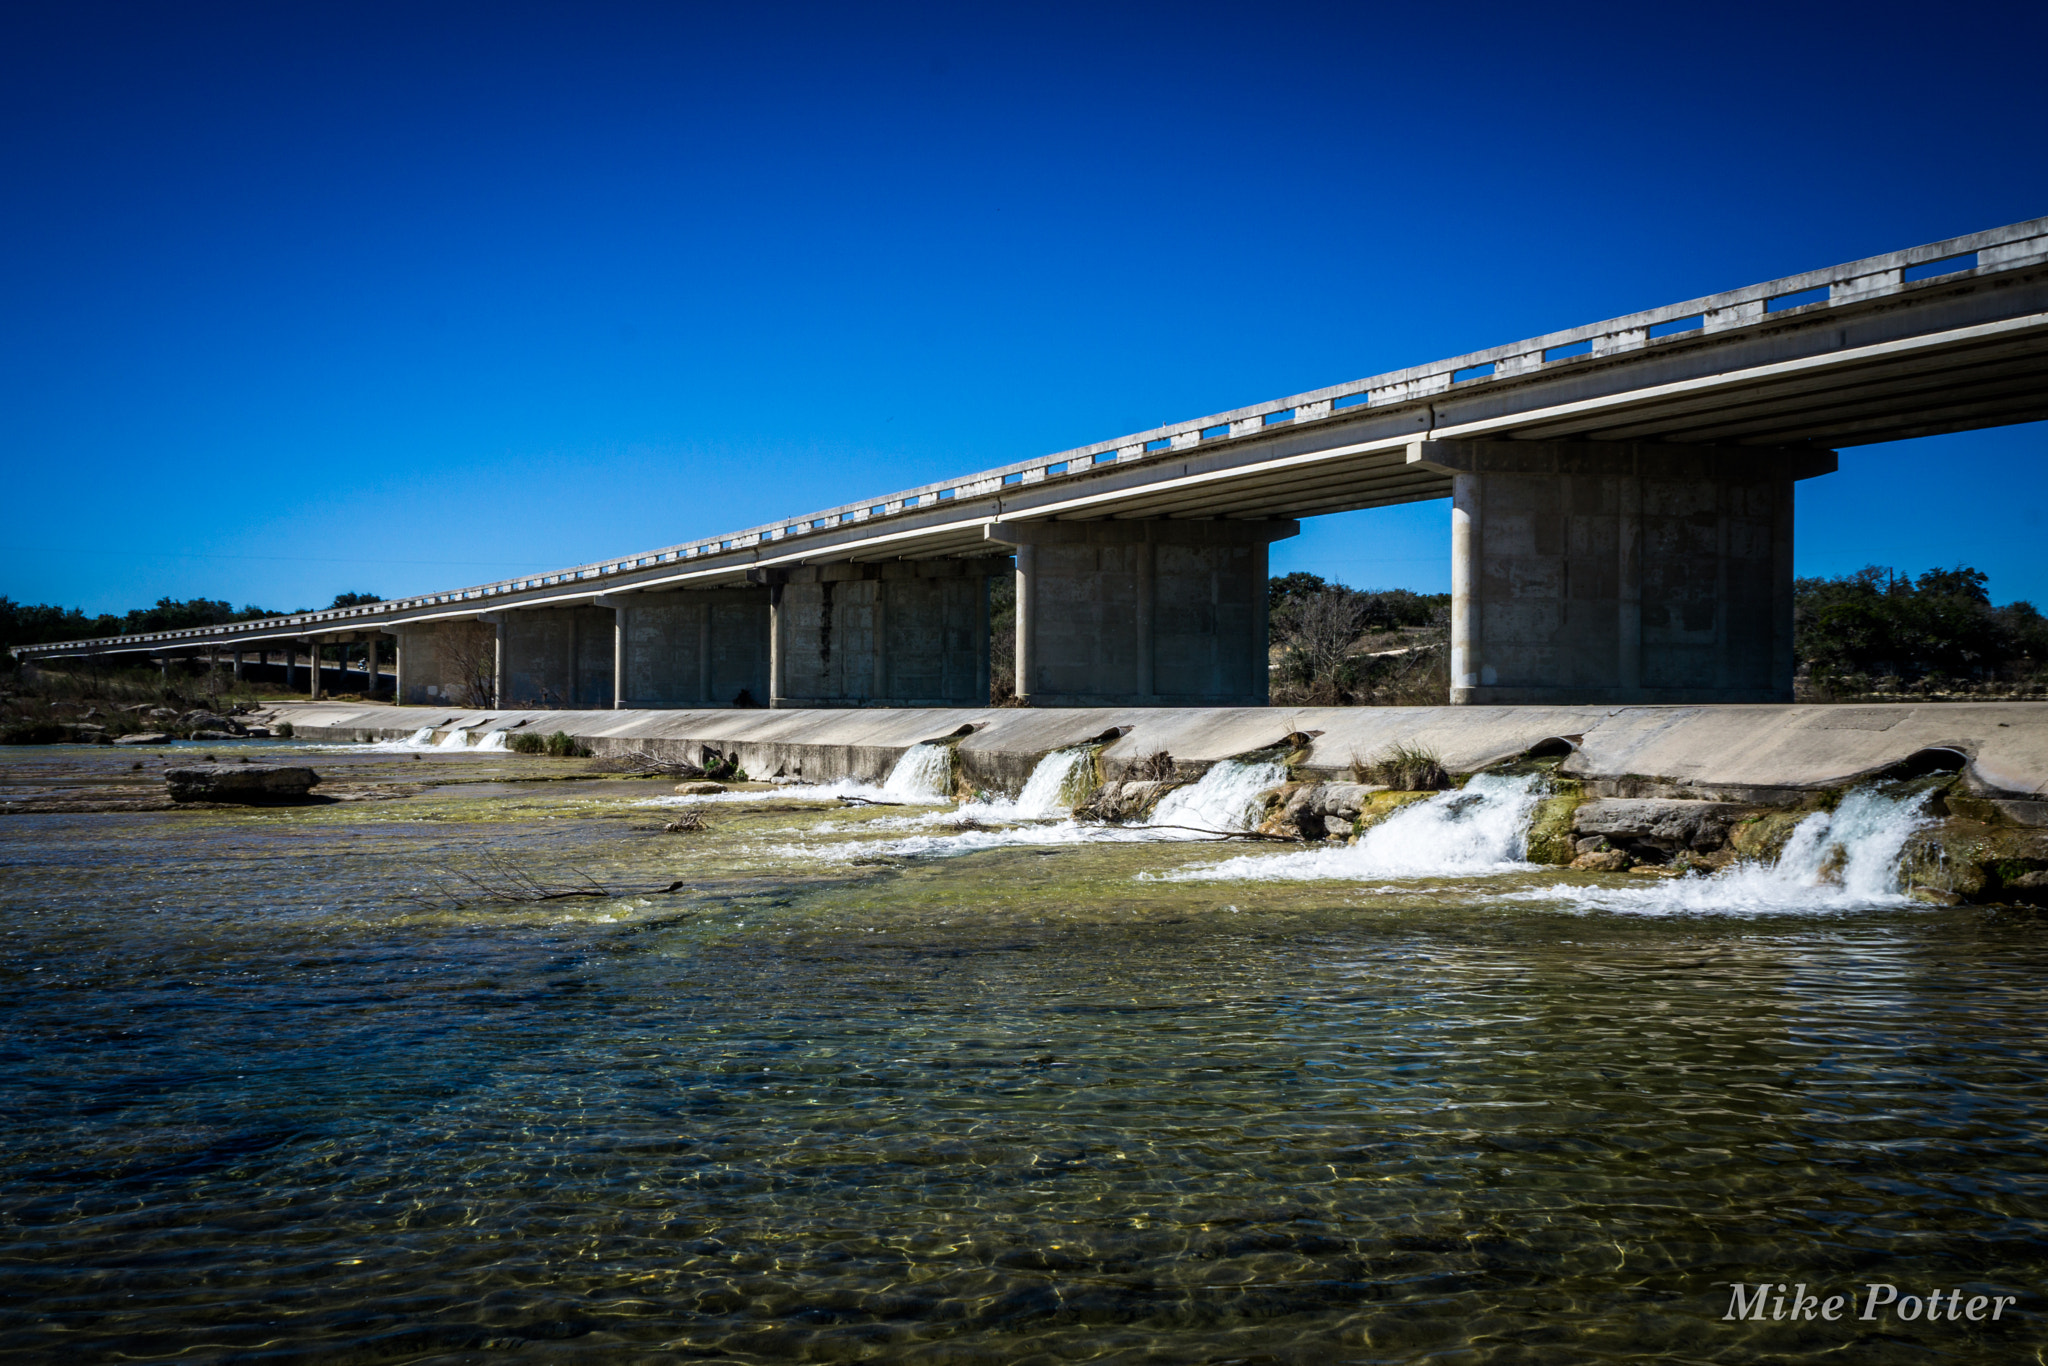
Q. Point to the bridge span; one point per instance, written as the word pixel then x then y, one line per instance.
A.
pixel 1621 525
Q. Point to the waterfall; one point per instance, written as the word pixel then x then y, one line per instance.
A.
pixel 1481 828
pixel 1055 785
pixel 923 773
pixel 423 738
pixel 497 742
pixel 1225 799
pixel 454 739
pixel 1847 859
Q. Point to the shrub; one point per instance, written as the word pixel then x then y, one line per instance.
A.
pixel 1408 768
pixel 527 742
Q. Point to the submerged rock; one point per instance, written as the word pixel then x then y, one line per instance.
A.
pixel 251 785
pixel 148 737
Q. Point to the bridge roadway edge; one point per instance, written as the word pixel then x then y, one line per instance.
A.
pixel 1764 752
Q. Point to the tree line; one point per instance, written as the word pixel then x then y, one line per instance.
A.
pixel 40 623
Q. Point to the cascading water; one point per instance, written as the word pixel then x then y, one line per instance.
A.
pixel 497 742
pixel 423 738
pixel 1055 785
pixel 1225 799
pixel 1847 859
pixel 454 739
pixel 1480 828
pixel 925 772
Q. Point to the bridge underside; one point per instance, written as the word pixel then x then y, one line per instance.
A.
pixel 1621 522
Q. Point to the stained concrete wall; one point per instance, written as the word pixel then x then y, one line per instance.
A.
pixel 903 634
pixel 696 648
pixel 558 657
pixel 446 663
pixel 1141 613
pixel 1620 571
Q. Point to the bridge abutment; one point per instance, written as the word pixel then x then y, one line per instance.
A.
pixel 1141 613
pixel 1620 572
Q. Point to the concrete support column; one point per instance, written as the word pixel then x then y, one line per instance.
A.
pixel 1466 542
pixel 1620 572
pixel 316 685
pixel 370 663
pixel 618 658
pixel 1141 613
pixel 238 666
pixel 1025 654
pixel 291 666
pixel 778 653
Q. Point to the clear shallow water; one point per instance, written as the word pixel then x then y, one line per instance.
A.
pixel 268 1092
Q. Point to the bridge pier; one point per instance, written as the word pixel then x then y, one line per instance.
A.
pixel 1620 572
pixel 900 633
pixel 1142 613
pixel 556 658
pixel 705 647
pixel 453 663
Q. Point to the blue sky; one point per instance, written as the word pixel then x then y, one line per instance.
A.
pixel 326 297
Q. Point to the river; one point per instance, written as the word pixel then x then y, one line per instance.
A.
pixel 932 1084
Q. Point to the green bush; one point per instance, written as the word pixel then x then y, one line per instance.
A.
pixel 560 745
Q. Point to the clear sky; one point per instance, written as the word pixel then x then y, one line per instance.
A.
pixel 310 297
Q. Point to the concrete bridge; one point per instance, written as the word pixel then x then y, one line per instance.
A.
pixel 1621 525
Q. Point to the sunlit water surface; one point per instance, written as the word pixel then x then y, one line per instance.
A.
pixel 278 1085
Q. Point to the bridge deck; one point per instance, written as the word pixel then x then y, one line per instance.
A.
pixel 1939 338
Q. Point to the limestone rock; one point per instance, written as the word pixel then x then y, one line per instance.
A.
pixel 700 789
pixel 148 737
pixel 1670 825
pixel 1127 800
pixel 214 735
pixel 251 785
pixel 1606 861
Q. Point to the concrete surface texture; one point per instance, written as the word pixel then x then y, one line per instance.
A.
pixel 559 657
pixel 704 648
pixel 902 633
pixel 436 661
pixel 1732 753
pixel 1142 612
pixel 1620 571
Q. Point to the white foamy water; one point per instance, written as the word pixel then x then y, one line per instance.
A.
pixel 1226 798
pixel 924 773
pixel 1843 860
pixel 920 777
pixel 1481 828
